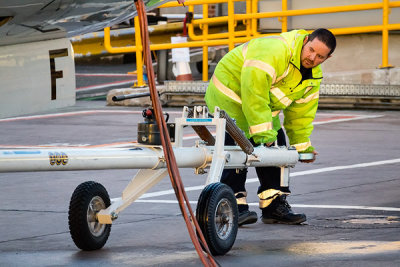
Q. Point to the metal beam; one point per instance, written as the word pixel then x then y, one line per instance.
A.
pixel 138 157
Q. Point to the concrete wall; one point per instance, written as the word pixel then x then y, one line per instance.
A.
pixel 362 51
pixel 333 20
pixel 357 59
pixel 26 77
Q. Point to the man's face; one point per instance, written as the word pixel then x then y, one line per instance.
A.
pixel 313 53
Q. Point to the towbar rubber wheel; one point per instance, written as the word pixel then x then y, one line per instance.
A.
pixel 217 215
pixel 86 201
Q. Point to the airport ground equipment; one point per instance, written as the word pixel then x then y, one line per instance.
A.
pixel 91 211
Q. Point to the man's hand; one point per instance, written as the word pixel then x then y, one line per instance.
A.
pixel 310 160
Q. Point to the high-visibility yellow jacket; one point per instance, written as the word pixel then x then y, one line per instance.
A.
pixel 258 79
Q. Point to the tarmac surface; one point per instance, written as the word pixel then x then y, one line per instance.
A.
pixel 350 196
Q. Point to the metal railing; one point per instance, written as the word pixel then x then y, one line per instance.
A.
pixel 250 20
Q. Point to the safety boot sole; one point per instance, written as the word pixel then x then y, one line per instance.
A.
pixel 277 221
pixel 248 217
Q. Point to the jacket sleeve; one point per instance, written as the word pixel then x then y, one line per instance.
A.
pixel 298 120
pixel 259 71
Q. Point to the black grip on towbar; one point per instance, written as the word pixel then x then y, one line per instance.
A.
pixel 130 96
pixel 237 134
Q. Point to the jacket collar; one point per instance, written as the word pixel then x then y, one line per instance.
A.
pixel 295 46
pixel 317 72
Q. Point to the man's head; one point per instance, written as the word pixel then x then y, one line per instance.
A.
pixel 317 47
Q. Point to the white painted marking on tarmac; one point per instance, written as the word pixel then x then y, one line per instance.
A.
pixel 105 85
pixel 164 201
pixel 343 207
pixel 340 114
pixel 356 117
pixel 85 112
pixel 170 192
pixel 75 113
pixel 253 180
pixel 344 167
pixel 89 146
pixel 104 74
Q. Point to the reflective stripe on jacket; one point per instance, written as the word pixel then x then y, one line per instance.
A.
pixel 258 79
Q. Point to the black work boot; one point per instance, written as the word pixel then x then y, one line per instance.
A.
pixel 279 211
pixel 245 216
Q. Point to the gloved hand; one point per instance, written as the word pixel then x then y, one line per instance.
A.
pixel 310 160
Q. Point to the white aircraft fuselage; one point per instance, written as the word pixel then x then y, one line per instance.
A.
pixel 37 70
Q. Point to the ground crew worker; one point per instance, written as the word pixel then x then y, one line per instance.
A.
pixel 253 83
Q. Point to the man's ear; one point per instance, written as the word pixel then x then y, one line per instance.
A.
pixel 305 40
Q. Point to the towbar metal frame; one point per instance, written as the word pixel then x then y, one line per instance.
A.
pixel 149 159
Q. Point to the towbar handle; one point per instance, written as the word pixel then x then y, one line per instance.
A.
pixel 123 97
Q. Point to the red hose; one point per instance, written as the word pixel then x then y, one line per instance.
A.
pixel 169 155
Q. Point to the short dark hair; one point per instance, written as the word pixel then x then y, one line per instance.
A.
pixel 324 36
